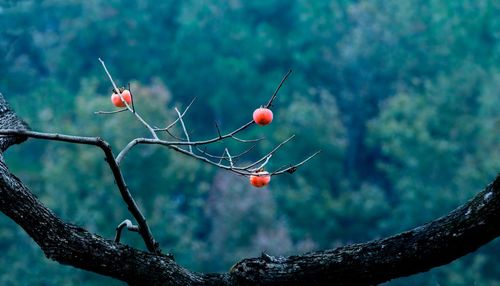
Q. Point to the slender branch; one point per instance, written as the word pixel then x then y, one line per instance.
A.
pixel 263 164
pixel 204 152
pixel 174 136
pixel 270 102
pixel 145 231
pixel 246 170
pixel 218 129
pixel 222 157
pixel 206 160
pixel 247 140
pixel 184 128
pixel 151 130
pixel 293 168
pixel 229 158
pixel 268 154
pixel 127 148
pixel 131 98
pixel 190 143
pixel 176 120
pixel 110 112
pixel 149 141
pixel 126 223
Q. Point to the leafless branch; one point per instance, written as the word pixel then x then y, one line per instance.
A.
pixel 247 140
pixel 270 102
pixel 293 168
pixel 110 112
pixel 131 98
pixel 229 158
pixel 176 120
pixel 151 130
pixel 205 156
pixel 235 157
pixel 184 128
pixel 218 129
pixel 144 229
pixel 128 224
pixel 265 157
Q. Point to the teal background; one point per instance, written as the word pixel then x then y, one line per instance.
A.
pixel 402 98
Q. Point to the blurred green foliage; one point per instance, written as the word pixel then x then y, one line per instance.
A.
pixel 401 96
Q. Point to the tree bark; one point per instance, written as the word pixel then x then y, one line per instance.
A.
pixel 436 243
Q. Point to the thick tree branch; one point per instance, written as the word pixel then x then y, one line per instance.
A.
pixel 439 242
pixel 434 244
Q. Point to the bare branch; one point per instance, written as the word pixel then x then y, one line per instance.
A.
pixel 184 128
pixel 110 112
pixel 205 159
pixel 115 88
pixel 176 120
pixel 229 158
pixel 174 136
pixel 261 167
pixel 235 157
pixel 151 130
pixel 125 150
pixel 293 168
pixel 176 145
pixel 218 129
pixel 270 102
pixel 247 140
pixel 221 158
pixel 445 239
pixel 131 98
pixel 190 143
pixel 145 231
pixel 265 157
pixel 126 223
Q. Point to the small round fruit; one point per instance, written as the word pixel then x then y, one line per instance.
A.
pixel 260 179
pixel 262 116
pixel 115 98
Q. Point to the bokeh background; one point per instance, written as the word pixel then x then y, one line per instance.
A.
pixel 402 97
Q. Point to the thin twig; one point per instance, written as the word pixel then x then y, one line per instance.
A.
pixel 174 136
pixel 151 130
pixel 126 223
pixel 263 164
pixel 229 158
pixel 267 155
pixel 270 102
pixel 205 159
pixel 131 98
pixel 184 128
pixel 218 129
pixel 176 120
pixel 111 112
pixel 222 157
pixel 204 152
pixel 293 168
pixel 247 140
pixel 220 137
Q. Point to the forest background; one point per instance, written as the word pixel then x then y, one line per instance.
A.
pixel 402 98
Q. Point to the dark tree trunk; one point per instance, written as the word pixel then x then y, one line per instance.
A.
pixel 437 243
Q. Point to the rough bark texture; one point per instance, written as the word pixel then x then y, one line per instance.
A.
pixel 436 243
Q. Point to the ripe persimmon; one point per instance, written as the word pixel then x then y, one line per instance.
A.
pixel 115 98
pixel 260 179
pixel 262 116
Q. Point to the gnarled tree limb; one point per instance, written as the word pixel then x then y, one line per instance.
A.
pixel 437 243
